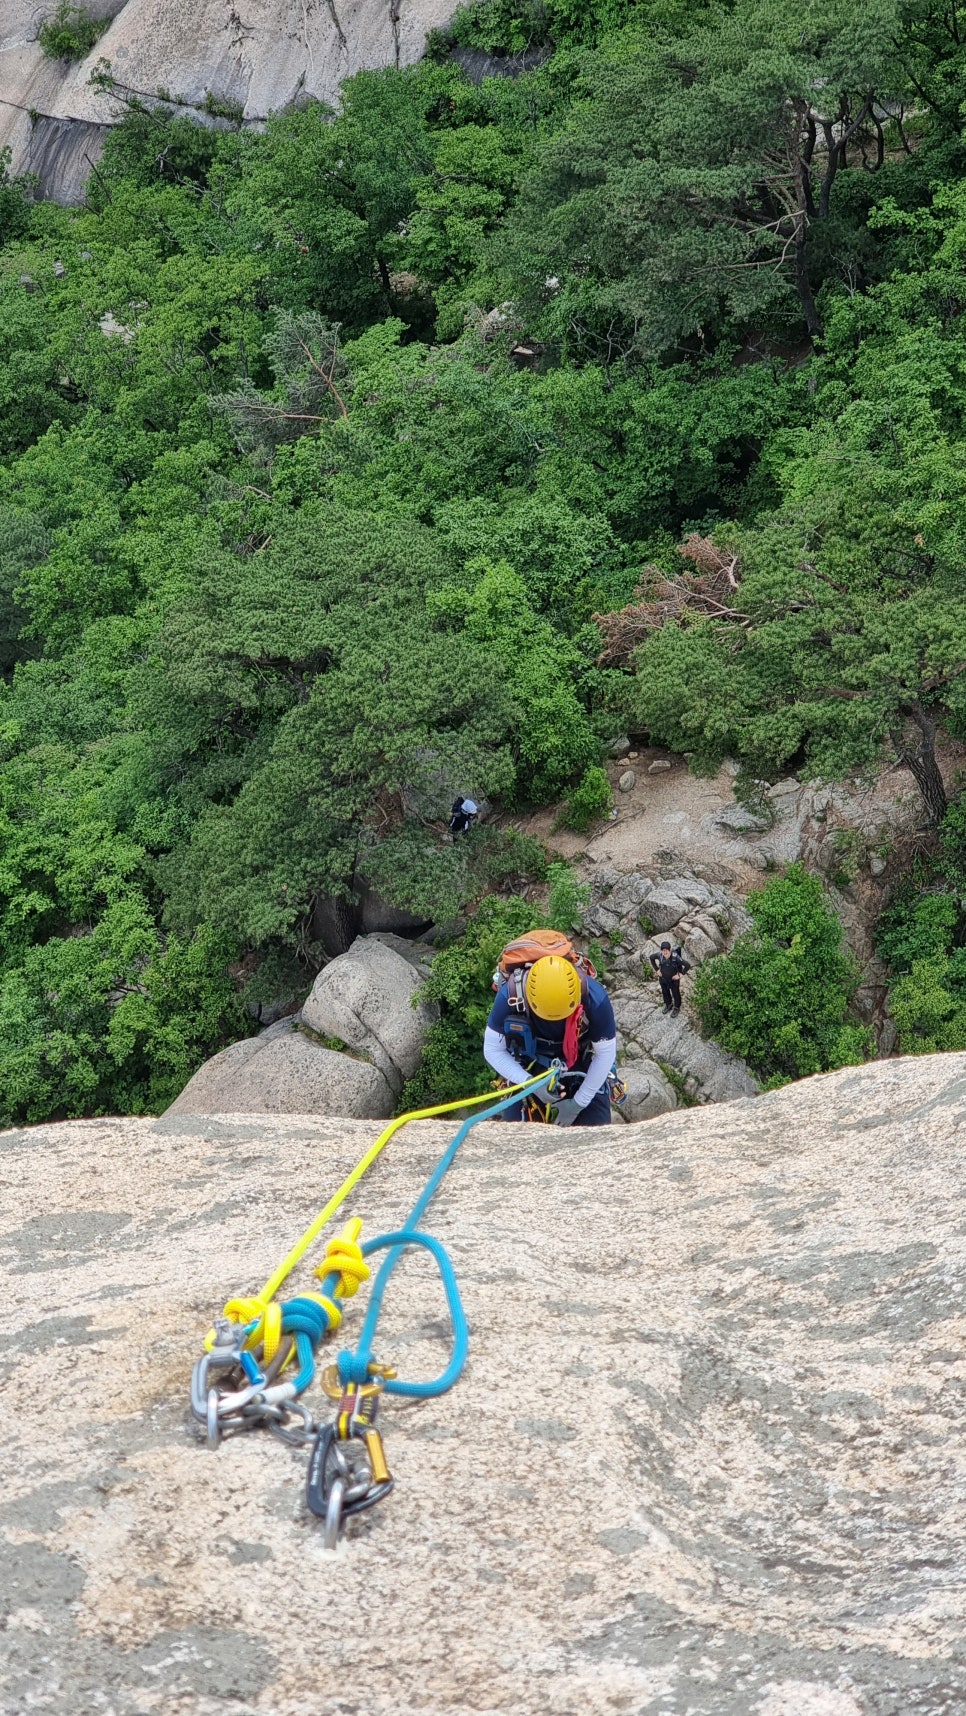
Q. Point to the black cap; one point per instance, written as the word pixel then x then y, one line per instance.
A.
pixel 665 944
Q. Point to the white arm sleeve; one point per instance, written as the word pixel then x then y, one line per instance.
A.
pixel 497 1055
pixel 596 1074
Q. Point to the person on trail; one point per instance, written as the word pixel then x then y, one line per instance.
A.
pixel 670 964
pixel 565 1017
pixel 464 814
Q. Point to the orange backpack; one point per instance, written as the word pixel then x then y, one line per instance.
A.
pixel 518 956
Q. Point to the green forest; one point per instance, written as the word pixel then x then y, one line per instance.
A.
pixel 457 432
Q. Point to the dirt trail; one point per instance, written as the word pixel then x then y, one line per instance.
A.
pixel 662 823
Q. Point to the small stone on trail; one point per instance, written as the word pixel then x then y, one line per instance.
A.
pixel 627 781
pixel 877 866
pixel 658 766
pixel 632 756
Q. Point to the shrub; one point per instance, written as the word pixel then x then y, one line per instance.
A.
pixel 500 25
pixel 929 1005
pixel 916 926
pixel 568 899
pixel 590 800
pixel 780 998
pixel 70 32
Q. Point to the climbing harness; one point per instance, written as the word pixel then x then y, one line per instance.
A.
pixel 538 1107
pixel 260 1356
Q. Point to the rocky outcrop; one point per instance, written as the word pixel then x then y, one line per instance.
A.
pixel 365 998
pixel 649 1091
pixel 283 1071
pixel 707 1457
pixel 630 913
pixel 259 59
pixel 707 1072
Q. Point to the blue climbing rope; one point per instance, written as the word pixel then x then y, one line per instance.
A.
pixel 354 1367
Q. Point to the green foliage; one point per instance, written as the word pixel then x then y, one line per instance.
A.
pixel 508 25
pixel 568 899
pixel 917 926
pixel 111 1019
pixel 70 32
pixel 460 984
pixel 15 200
pixel 920 935
pixel 780 998
pixel 322 445
pixel 678 198
pixel 928 1005
pixel 589 801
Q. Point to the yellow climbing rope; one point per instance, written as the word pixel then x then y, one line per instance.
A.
pixel 342 1254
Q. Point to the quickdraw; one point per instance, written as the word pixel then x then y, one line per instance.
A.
pixel 260 1355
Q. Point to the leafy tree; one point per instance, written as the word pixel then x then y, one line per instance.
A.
pixel 780 998
pixel 15 199
pixel 112 1020
pixel 680 198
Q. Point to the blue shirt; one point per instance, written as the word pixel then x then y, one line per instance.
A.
pixel 598 1013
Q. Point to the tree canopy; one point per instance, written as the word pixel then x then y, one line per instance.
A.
pixel 322 447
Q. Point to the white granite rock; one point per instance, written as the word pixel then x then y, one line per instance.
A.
pixel 365 997
pixel 707 1456
pixel 282 1071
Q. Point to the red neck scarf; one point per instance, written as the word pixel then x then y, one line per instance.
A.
pixel 571 1036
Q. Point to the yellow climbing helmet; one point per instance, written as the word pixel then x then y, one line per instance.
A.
pixel 553 987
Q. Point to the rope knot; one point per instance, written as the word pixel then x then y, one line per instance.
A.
pixel 344 1254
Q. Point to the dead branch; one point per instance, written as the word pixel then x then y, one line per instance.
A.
pixel 705 593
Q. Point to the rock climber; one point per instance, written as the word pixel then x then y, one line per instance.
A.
pixel 464 813
pixel 565 1017
pixel 670 965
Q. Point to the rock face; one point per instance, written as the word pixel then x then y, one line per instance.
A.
pixel 365 998
pixel 649 1092
pixel 282 1071
pixel 731 1485
pixel 261 58
pixel 708 1072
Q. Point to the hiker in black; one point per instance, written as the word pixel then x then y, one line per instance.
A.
pixel 464 814
pixel 670 964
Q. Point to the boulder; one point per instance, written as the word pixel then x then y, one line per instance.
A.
pixel 365 997
pixel 600 920
pixel 619 747
pixel 690 890
pixel 664 908
pixel 697 946
pixel 737 819
pixel 418 954
pixel 627 782
pixel 284 1072
pixel 649 1093
pixel 628 894
pixel 709 927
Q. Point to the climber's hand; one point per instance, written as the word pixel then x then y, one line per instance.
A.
pixel 567 1112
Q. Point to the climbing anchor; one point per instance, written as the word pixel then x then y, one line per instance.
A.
pixel 260 1355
